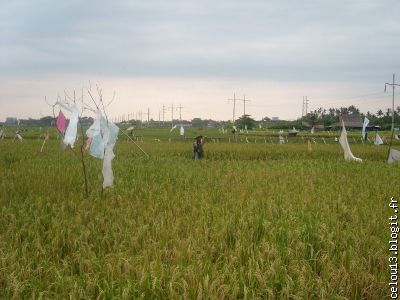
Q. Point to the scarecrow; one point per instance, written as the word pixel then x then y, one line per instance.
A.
pixel 198 147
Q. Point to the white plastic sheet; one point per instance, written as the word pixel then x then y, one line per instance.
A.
pixel 378 140
pixel 94 133
pixel 103 135
pixel 394 156
pixel 348 155
pixel 366 122
pixel 108 175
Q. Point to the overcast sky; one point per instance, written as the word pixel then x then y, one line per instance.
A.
pixel 198 54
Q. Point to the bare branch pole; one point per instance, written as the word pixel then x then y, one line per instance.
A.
pixel 112 100
pixel 105 114
pixel 54 114
pixel 90 94
pixel 82 159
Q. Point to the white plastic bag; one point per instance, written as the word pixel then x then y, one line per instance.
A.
pixel 348 155
pixel 71 131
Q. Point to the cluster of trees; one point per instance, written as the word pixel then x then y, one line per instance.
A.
pixel 329 116
pixel 326 117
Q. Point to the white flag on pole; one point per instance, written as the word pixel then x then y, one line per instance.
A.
pixel 366 122
pixel 378 140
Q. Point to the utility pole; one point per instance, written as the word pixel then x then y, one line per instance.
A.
pixel 305 106
pixel 172 115
pixel 180 112
pixel 244 104
pixel 234 107
pixel 163 114
pixel 393 87
pixel 234 104
pixel 148 116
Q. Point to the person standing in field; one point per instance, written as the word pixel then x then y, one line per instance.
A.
pixel 198 147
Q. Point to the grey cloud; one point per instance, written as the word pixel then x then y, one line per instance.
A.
pixel 276 40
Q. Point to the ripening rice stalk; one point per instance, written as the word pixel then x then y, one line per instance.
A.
pixel 249 221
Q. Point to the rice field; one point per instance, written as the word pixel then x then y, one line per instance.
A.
pixel 250 221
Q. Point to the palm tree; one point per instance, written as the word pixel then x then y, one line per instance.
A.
pixel 353 110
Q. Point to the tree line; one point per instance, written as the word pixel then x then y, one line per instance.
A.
pixel 320 116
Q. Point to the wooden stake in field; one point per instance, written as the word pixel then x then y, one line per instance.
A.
pixel 46 137
pixel 309 146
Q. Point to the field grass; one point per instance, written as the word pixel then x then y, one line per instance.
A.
pixel 255 220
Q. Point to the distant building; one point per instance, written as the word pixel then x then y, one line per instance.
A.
pixel 316 126
pixel 350 121
pixel 11 121
pixel 275 119
pixel 265 119
pixel 212 123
